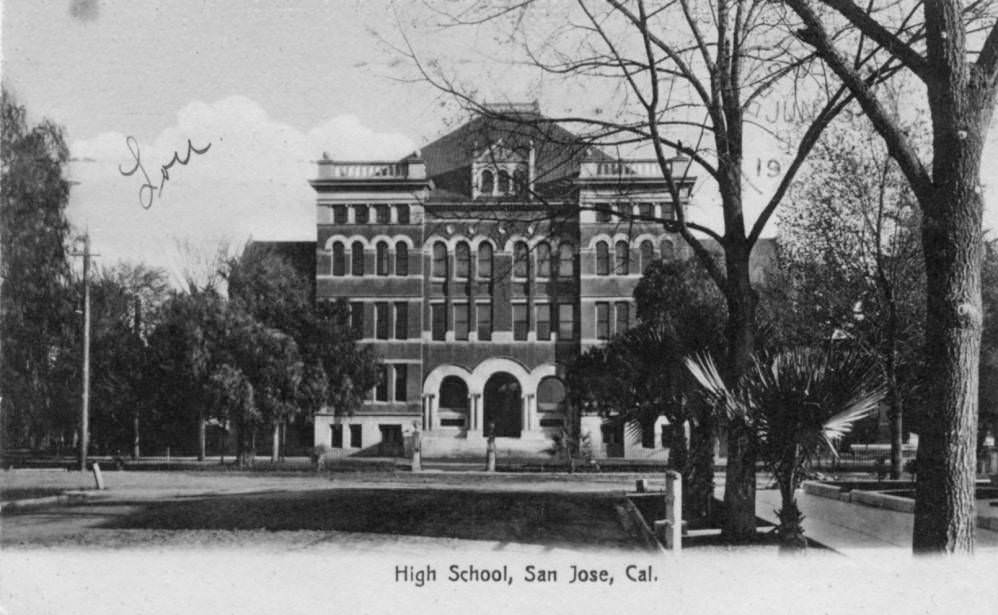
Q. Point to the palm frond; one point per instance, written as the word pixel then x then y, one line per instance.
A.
pixel 703 369
pixel 864 404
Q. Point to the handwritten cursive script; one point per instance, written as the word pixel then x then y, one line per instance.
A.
pixel 148 191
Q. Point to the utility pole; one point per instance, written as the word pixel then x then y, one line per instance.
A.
pixel 85 401
pixel 136 452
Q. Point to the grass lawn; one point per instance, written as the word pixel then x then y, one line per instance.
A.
pixel 539 518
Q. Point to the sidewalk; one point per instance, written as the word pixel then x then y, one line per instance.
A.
pixel 856 530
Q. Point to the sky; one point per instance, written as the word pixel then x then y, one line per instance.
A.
pixel 267 87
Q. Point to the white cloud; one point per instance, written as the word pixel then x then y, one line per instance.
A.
pixel 251 182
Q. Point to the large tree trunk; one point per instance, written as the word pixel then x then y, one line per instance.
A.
pixel 944 493
pixel 739 485
pixel 962 103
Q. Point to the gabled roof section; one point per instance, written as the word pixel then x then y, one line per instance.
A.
pixel 499 153
pixel 558 152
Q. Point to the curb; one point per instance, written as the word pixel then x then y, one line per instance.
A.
pixel 880 500
pixel 63 499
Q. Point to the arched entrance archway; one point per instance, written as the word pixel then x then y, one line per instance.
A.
pixel 503 405
pixel 453 402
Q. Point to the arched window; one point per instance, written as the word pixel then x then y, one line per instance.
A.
pixel 543 260
pixel 550 395
pixel 462 260
pixel 647 254
pixel 485 260
pixel 668 253
pixel 440 260
pixel 486 186
pixel 453 394
pixel 503 182
pixel 383 258
pixel 602 258
pixel 401 258
pixel 566 260
pixel 339 259
pixel 357 258
pixel 521 260
pixel 520 182
pixel 622 258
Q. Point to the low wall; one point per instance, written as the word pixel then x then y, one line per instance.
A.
pixel 883 500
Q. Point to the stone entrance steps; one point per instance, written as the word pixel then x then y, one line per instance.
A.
pixel 472 446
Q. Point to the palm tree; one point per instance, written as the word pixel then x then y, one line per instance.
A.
pixel 795 403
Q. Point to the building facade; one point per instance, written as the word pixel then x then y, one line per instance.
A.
pixel 477 269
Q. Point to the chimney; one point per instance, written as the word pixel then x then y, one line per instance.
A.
pixel 531 164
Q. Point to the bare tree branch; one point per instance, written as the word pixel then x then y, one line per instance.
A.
pixel 987 61
pixel 881 35
pixel 897 143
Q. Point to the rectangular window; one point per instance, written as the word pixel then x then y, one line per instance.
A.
pixel 400 382
pixel 543 321
pixel 602 321
pixel 336 435
pixel 339 214
pixel 382 214
pixel 520 322
pixel 401 321
pixel 668 211
pixel 381 320
pixel 381 389
pixel 566 321
pixel 360 214
pixel 402 211
pixel 602 213
pixel 648 436
pixel 438 316
pixel 623 210
pixel 623 317
pixel 646 210
pixel 356 441
pixel 461 321
pixel 357 318
pixel 484 311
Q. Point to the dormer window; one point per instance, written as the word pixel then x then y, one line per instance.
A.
pixel 503 182
pixel 500 171
pixel 486 186
pixel 519 182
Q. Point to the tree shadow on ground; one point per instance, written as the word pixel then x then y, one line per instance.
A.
pixel 556 520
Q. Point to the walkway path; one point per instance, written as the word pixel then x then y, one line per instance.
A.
pixel 856 530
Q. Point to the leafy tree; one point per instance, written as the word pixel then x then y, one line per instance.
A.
pixel 956 60
pixel 850 246
pixel 639 376
pixel 261 356
pixel 124 301
pixel 333 370
pixel 36 308
pixel 183 351
pixel 796 403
